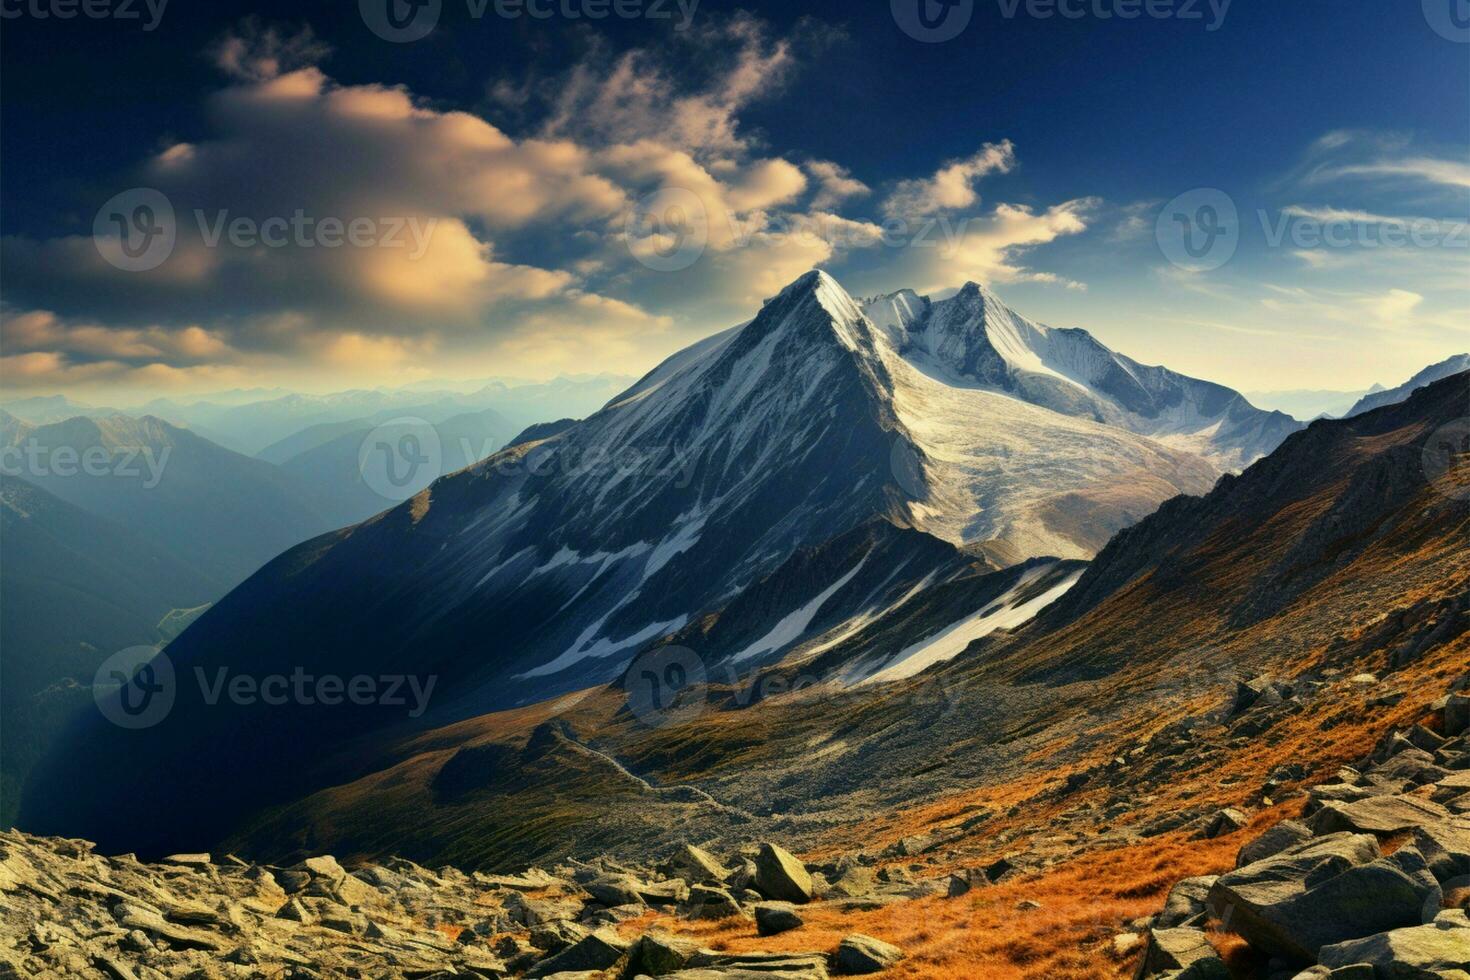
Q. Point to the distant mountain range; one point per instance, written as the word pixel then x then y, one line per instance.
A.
pixel 119 531
pixel 828 461
pixel 255 421
pixel 1307 405
pixel 1431 374
pixel 223 513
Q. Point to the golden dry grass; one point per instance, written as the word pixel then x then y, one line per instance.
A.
pixel 1084 905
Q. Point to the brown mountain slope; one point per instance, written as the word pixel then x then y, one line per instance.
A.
pixel 1332 558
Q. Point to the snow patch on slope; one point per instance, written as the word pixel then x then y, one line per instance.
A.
pixel 791 628
pixel 1006 612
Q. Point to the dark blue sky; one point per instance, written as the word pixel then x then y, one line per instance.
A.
pixel 1114 108
pixel 1307 107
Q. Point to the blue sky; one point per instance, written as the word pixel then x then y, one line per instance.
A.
pixel 594 195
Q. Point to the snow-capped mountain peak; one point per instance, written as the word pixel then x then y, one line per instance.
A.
pixel 973 338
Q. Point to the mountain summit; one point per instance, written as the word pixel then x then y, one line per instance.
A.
pixel 975 339
pixel 549 566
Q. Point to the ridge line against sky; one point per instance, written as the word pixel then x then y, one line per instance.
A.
pixel 521 208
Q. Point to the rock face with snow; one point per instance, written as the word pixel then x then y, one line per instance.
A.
pixel 973 338
pixel 548 567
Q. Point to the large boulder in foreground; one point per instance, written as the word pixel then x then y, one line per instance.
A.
pixel 1328 891
pixel 1428 952
pixel 781 877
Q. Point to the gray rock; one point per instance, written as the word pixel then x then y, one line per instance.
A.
pixel 1325 892
pixel 708 902
pixel 324 866
pixel 554 937
pixel 1380 815
pixel 1445 847
pixel 699 866
pixel 859 954
pixel 598 951
pixel 658 955
pixel 1428 952
pixel 1457 714
pixel 768 966
pixel 1225 822
pixel 1292 908
pixel 1287 834
pixel 774 918
pixel 780 876
pixel 614 890
pixel 1186 904
pixel 1170 950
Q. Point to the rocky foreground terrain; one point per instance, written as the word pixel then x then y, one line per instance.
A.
pixel 1371 883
